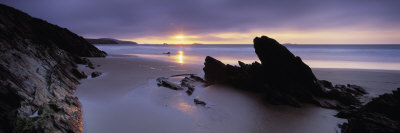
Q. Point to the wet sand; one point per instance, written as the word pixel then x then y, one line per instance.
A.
pixel 126 99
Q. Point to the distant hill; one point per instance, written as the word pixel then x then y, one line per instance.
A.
pixel 108 41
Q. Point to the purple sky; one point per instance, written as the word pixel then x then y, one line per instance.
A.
pixel 224 21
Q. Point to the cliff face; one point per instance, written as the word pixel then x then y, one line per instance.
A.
pixel 38 74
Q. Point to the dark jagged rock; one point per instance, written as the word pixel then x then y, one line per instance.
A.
pixel 283 69
pixel 381 115
pixel 37 65
pixel 187 82
pixel 282 77
pixel 198 102
pixel 358 89
pixel 246 76
pixel 190 91
pixel 347 95
pixel 95 74
pixel 214 70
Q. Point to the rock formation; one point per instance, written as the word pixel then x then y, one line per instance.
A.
pixel 282 77
pixel 381 115
pixel 283 70
pixel 38 74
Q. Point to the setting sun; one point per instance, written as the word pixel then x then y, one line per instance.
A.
pixel 180 37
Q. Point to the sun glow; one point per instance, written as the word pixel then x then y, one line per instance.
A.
pixel 327 36
pixel 180 37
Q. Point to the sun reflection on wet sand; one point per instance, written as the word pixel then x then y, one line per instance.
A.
pixel 185 107
pixel 182 104
pixel 180 57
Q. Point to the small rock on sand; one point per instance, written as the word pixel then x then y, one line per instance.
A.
pixel 96 74
pixel 198 102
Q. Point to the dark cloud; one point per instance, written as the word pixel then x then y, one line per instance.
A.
pixel 137 18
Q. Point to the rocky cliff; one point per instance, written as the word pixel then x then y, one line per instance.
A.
pixel 38 74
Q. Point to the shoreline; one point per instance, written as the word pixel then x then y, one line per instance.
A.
pixel 128 84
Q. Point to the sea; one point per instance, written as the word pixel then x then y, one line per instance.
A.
pixel 377 57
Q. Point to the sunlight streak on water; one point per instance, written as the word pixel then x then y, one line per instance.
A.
pixel 180 57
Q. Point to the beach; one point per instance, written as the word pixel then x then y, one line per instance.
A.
pixel 199 66
pixel 126 98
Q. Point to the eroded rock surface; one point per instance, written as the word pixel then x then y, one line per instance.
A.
pixel 38 74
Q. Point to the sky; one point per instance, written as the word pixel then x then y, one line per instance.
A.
pixel 224 21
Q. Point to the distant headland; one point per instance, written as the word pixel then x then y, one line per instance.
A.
pixel 108 41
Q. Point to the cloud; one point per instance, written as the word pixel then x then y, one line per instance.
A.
pixel 141 18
